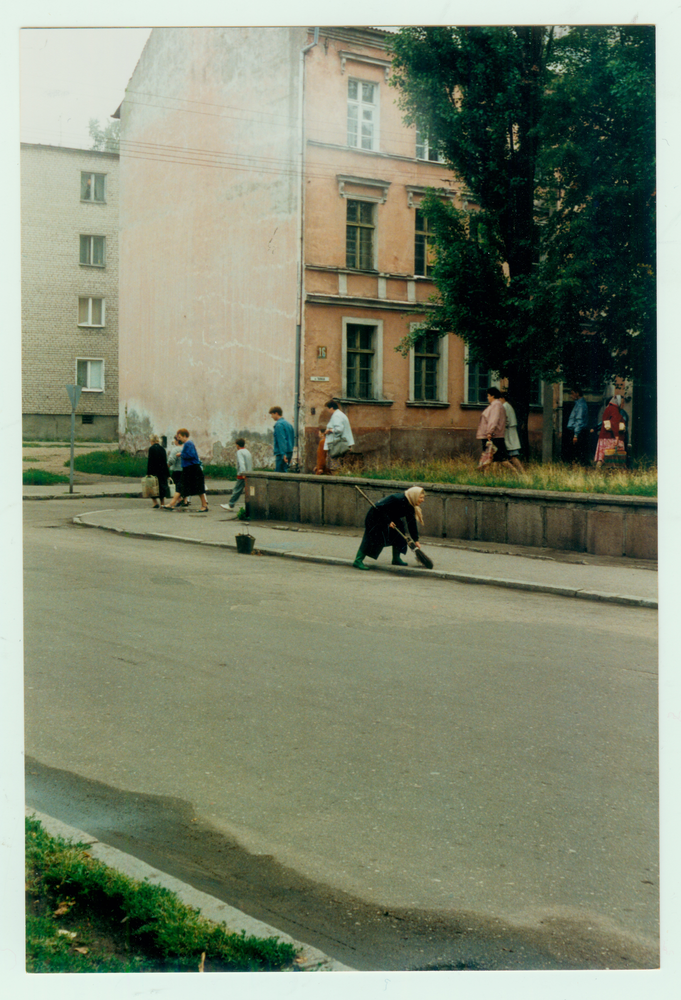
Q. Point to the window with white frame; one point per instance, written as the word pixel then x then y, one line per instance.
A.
pixel 428 364
pixel 90 374
pixel 424 149
pixel 362 358
pixel 423 239
pixel 92 187
pixel 362 114
pixel 478 379
pixel 90 311
pixel 360 245
pixel 92 250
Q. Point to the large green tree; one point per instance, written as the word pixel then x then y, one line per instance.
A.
pixel 551 136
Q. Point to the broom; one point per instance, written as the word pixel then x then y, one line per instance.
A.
pixel 419 553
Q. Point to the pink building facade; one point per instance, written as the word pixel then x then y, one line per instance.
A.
pixel 273 251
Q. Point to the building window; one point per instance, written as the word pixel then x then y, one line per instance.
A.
pixel 92 250
pixel 360 228
pixel 428 369
pixel 362 358
pixel 426 363
pixel 423 239
pixel 90 374
pixel 92 187
pixel 478 381
pixel 424 150
pixel 90 312
pixel 362 114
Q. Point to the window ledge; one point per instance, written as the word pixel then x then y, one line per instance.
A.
pixel 91 326
pixel 433 404
pixel 348 401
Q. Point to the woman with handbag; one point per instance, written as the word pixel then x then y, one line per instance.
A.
pixel 338 437
pixel 610 449
pixel 387 514
pixel 193 483
pixel 157 465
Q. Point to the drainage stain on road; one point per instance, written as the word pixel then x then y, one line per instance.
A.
pixel 165 832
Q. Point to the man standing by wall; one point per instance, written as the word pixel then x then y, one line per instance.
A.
pixel 284 438
pixel 578 428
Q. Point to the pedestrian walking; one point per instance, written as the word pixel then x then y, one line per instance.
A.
pixel 175 465
pixel 284 439
pixel 578 428
pixel 397 510
pixel 157 465
pixel 610 449
pixel 338 437
pixel 244 464
pixel 192 474
pixel 492 427
pixel 511 436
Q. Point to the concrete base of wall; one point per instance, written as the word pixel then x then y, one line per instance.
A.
pixel 576 522
pixel 57 427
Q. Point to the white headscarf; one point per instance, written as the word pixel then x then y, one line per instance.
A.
pixel 413 495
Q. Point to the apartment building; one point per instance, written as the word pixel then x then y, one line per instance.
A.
pixel 69 282
pixel 273 250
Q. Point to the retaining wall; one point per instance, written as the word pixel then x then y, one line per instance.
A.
pixel 577 522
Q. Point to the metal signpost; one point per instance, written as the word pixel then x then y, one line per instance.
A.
pixel 74 392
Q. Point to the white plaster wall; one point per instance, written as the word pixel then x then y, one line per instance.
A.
pixel 209 234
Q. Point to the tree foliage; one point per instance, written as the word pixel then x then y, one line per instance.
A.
pixel 551 138
pixel 106 139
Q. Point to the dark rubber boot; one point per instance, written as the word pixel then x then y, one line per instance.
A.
pixel 397 559
pixel 359 560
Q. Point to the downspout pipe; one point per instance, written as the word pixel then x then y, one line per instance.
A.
pixel 301 232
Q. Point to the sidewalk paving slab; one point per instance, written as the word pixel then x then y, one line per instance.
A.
pixel 567 574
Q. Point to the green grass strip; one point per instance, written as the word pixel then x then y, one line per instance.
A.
pixel 146 927
pixel 38 477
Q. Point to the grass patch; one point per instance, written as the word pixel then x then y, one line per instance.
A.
pixel 116 463
pixel 641 481
pixel 116 924
pixel 38 477
pixel 110 463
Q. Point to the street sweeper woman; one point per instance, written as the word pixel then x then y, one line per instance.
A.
pixel 389 514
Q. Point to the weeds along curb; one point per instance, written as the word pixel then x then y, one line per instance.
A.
pixel 488 581
pixel 166 921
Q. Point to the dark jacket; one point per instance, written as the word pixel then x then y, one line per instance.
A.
pixel 377 533
pixel 157 462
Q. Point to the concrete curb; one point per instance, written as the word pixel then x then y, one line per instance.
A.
pixel 537 588
pixel 311 959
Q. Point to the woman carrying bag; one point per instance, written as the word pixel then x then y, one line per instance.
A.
pixel 610 450
pixel 157 465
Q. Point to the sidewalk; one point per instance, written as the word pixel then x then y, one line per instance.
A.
pixel 566 574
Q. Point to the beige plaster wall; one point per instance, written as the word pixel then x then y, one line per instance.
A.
pixel 209 238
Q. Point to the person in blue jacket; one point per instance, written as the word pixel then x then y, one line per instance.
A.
pixel 284 439
pixel 193 483
pixel 578 428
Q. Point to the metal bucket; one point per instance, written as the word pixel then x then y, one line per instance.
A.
pixel 245 543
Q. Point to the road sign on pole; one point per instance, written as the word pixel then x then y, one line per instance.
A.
pixel 74 392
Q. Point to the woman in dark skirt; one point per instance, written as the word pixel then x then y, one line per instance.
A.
pixel 397 510
pixel 192 474
pixel 157 465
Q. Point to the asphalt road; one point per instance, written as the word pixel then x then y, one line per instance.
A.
pixel 405 773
